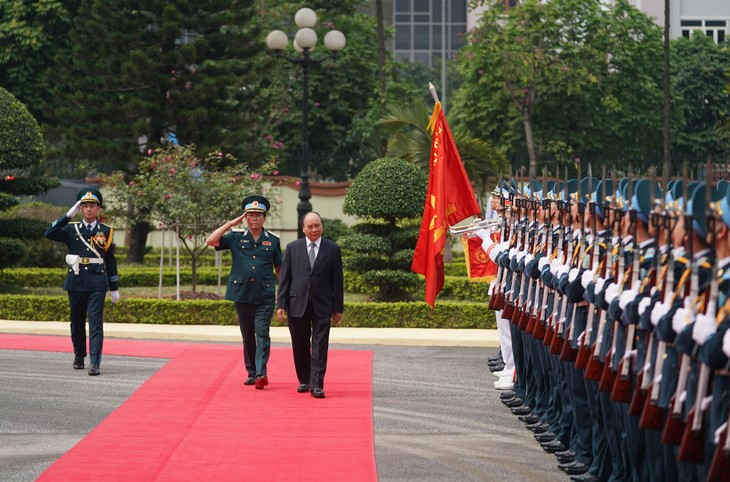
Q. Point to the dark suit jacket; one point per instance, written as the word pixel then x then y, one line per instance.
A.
pixel 324 284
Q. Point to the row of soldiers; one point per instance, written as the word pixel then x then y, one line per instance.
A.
pixel 617 297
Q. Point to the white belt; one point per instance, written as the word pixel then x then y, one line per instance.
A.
pixel 91 261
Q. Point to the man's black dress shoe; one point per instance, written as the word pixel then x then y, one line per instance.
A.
pixel 545 437
pixel 554 446
pixel 529 419
pixel 497 357
pixel 538 427
pixel 574 468
pixel 523 410
pixel 587 477
pixel 506 395
pixel 250 381
pixel 565 457
pixel 94 369
pixel 317 393
pixel 78 363
pixel 496 368
pixel 513 402
pixel 303 388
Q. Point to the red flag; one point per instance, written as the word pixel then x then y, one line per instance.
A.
pixel 478 265
pixel 449 200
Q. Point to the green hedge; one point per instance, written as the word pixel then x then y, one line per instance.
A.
pixel 455 287
pixel 206 312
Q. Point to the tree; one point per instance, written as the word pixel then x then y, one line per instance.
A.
pixel 31 33
pixel 407 123
pixel 566 78
pixel 21 173
pixel 343 93
pixel 390 190
pixel 700 79
pixel 186 193
pixel 142 74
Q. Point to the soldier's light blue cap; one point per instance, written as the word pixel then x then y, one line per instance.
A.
pixel 641 200
pixel 533 190
pixel 697 208
pixel 89 195
pixel 255 204
pixel 606 189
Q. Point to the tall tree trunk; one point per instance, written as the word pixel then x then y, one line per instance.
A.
pixel 137 242
pixel 530 140
pixel 667 170
pixel 383 147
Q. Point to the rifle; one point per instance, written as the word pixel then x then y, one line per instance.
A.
pixel 638 400
pixel 509 307
pixel 539 329
pixel 526 279
pixel 544 247
pixel 720 466
pixel 568 353
pixel 595 367
pixel 551 321
pixel 692 446
pixel 621 391
pixel 675 425
pixel 556 346
pixel 496 301
pixel 652 414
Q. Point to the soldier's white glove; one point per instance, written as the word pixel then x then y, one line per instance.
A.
pixel 681 317
pixel 115 296
pixel 644 304
pixel 704 326
pixel 626 297
pixel 660 309
pixel 611 293
pixel 726 344
pixel 74 209
pixel 544 261
pixel 573 274
pixel 599 284
pixel 562 270
pixel 483 233
pixel 719 431
pixel 586 278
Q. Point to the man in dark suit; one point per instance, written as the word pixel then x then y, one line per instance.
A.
pixel 311 292
pixel 92 271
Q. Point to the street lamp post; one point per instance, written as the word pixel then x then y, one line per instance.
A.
pixel 304 42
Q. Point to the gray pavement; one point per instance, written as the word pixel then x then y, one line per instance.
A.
pixel 436 415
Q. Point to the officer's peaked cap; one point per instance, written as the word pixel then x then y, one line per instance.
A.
pixel 255 204
pixel 89 195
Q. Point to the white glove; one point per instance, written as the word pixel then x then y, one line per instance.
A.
pixel 544 261
pixel 704 326
pixel 562 270
pixel 626 297
pixel 586 278
pixel 644 304
pixel 74 209
pixel 599 284
pixel 719 431
pixel 611 293
pixel 726 344
pixel 660 309
pixel 482 233
pixel 681 316
pixel 115 296
pixel 573 274
pixel 555 266
pixel 528 257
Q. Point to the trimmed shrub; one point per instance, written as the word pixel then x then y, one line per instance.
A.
pixel 206 312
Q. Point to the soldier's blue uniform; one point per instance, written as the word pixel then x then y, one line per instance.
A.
pixel 89 280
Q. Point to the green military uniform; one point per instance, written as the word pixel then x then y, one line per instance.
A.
pixel 91 273
pixel 252 287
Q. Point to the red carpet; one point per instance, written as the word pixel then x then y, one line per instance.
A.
pixel 194 419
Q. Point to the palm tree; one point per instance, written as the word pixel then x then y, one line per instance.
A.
pixel 406 126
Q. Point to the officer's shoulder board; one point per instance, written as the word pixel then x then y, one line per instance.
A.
pixel 267 232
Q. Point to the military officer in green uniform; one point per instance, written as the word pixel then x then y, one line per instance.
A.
pixel 256 254
pixel 92 271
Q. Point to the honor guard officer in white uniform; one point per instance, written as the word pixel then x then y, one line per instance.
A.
pixel 92 271
pixel 256 254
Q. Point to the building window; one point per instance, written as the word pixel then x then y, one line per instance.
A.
pixel 715 29
pixel 426 29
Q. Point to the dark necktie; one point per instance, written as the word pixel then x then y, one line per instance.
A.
pixel 311 255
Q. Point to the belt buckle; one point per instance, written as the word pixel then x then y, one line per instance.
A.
pixel 84 260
